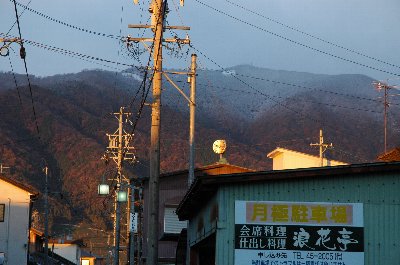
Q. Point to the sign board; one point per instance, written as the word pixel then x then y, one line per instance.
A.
pixel 2 211
pixel 298 233
pixel 133 222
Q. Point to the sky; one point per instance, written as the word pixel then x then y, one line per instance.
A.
pixel 224 38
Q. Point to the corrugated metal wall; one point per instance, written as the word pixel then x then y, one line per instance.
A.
pixel 380 195
pixel 203 224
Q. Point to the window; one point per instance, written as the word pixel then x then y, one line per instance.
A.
pixel 85 262
pixel 172 225
pixel 2 210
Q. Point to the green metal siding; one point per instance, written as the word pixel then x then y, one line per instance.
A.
pixel 379 194
pixel 208 225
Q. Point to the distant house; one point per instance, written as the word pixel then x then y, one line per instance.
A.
pixel 68 249
pixel 15 210
pixel 390 156
pixel 288 159
pixel 173 187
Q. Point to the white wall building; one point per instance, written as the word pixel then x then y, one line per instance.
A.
pixel 15 205
pixel 68 250
pixel 288 159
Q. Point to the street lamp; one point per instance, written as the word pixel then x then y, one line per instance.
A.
pixel 103 188
pixel 122 196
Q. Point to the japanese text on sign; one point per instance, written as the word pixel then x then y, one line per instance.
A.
pixel 300 233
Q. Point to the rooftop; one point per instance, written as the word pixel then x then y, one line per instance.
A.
pixel 205 186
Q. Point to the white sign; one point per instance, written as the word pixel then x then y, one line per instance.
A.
pixel 133 222
pixel 298 233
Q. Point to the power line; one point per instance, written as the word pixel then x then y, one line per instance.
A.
pixel 15 22
pixel 296 42
pixel 23 56
pixel 67 24
pixel 298 86
pixel 311 35
pixel 301 86
pixel 320 103
pixel 72 53
pixel 267 96
pixel 15 80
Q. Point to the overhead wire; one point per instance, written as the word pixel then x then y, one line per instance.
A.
pixel 311 35
pixel 316 102
pixel 23 55
pixel 22 12
pixel 112 36
pixel 305 87
pixel 294 41
pixel 72 53
pixel 298 86
pixel 15 81
pixel 267 96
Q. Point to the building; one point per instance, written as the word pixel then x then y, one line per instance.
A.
pixel 70 250
pixel 390 156
pixel 15 210
pixel 173 187
pixel 330 215
pixel 288 159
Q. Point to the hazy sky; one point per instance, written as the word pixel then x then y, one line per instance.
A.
pixel 370 27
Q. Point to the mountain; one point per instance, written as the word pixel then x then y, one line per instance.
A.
pixel 254 109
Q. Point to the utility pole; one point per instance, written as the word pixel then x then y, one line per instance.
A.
pixel 192 103
pixel 322 147
pixel 119 151
pixel 158 10
pixel 384 86
pixel 46 217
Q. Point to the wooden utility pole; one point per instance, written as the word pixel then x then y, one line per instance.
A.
pixel 157 18
pixel 157 10
pixel 322 147
pixel 192 103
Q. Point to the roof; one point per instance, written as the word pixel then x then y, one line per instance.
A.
pixel 86 254
pixel 212 170
pixel 204 187
pixel 390 156
pixel 20 185
pixel 36 231
pixel 61 241
pixel 280 150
